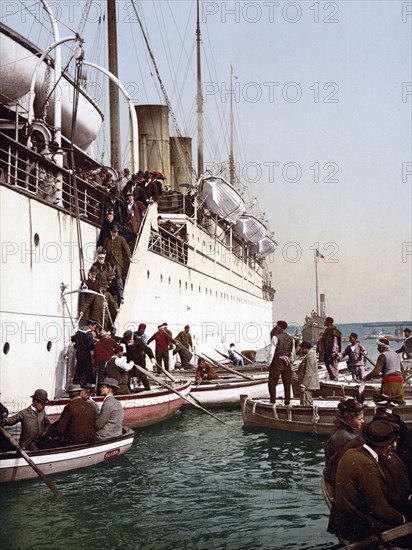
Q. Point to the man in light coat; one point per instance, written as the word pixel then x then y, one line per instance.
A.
pixel 110 420
pixel 308 376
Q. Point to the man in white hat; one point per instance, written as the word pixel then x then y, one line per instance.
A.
pixel 110 420
pixel 388 367
pixel 34 421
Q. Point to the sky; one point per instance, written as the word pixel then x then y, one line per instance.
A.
pixel 322 96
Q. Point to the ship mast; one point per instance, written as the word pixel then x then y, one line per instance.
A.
pixel 316 277
pixel 231 156
pixel 115 159
pixel 199 100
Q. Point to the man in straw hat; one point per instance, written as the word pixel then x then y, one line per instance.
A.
pixel 388 366
pixel 361 508
pixel 34 421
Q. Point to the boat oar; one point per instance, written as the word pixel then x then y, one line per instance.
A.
pixel 180 394
pixel 166 373
pixel 225 367
pixel 386 536
pixel 29 461
pixel 246 358
pixel 369 361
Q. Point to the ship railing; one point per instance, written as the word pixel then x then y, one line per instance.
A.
pixel 169 245
pixel 34 175
pixel 176 203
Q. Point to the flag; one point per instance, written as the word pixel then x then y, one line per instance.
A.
pixel 319 255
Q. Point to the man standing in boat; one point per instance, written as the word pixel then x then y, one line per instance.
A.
pixel 331 342
pixel 406 348
pixel 281 364
pixel 308 377
pixel 162 339
pixel 388 365
pixel 355 353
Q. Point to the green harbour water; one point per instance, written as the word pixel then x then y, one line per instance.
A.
pixel 188 483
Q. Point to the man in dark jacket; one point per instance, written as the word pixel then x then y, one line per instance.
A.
pixel 331 342
pixel 360 508
pixel 281 365
pixel 84 345
pixel 34 421
pixel 136 351
pixel 76 424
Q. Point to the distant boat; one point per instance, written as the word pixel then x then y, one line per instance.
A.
pixel 314 324
pixel 63 459
pixel 397 336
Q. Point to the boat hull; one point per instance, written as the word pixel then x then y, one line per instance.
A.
pixel 226 393
pixel 64 459
pixel 318 419
pixel 139 409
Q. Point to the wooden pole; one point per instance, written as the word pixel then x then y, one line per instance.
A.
pixel 386 536
pixel 225 367
pixel 29 461
pixel 180 394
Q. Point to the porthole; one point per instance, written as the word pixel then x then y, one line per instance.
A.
pixel 148 274
pixel 36 239
pixel 161 278
pixel 170 280
pixel 49 346
pixel 6 348
pixel 186 285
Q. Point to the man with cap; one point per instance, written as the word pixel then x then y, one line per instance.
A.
pixel 103 307
pixel 76 423
pixel 101 264
pixel 141 333
pixel 110 420
pixel 34 421
pixel 281 364
pixel 388 367
pixel 348 424
pixel 331 342
pixel 406 348
pixel 118 252
pixel 104 349
pixel 183 347
pixel 308 377
pixel 115 286
pixel 162 339
pixel 361 508
pixel 355 353
pixel 84 345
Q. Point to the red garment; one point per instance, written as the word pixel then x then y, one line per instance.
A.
pixel 105 348
pixel 162 340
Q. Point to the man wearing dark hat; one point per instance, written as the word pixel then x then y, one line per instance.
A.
pixel 406 348
pixel 118 252
pixel 84 345
pixel 110 420
pixel 360 508
pixel 388 366
pixel 281 364
pixel 34 421
pixel 115 286
pixel 103 307
pixel 76 423
pixel 112 202
pixel 308 377
pixel 355 353
pixel 331 342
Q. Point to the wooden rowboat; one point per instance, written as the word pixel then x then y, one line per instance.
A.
pixel 139 409
pixel 226 392
pixel 317 419
pixel 63 459
pixel 330 388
